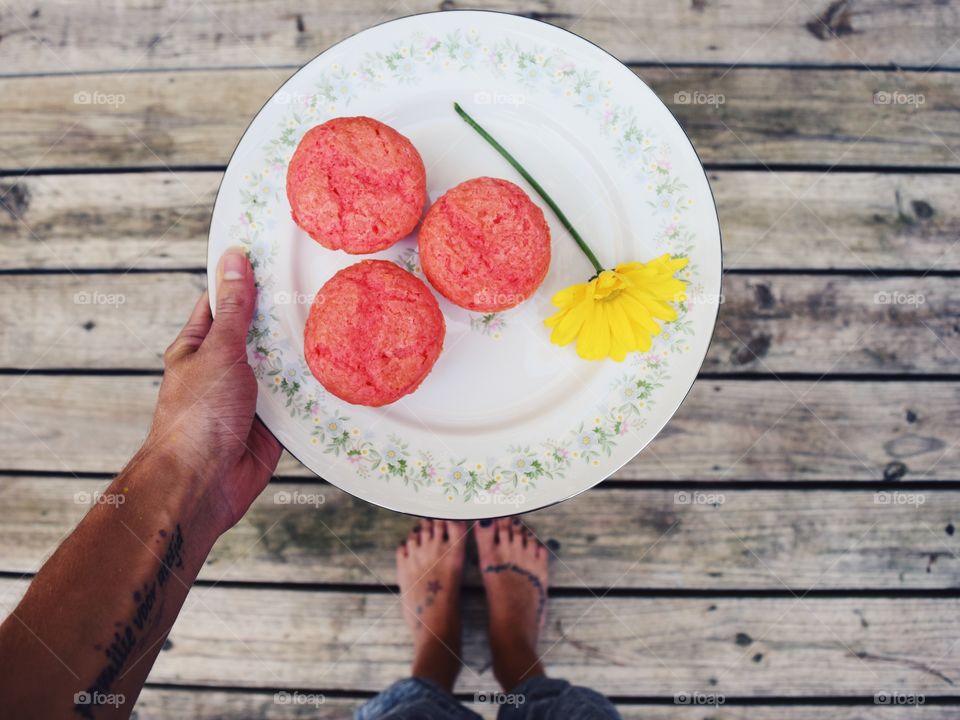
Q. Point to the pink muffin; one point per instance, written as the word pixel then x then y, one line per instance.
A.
pixel 357 185
pixel 373 334
pixel 485 245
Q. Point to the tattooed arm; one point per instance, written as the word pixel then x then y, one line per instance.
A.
pixel 84 637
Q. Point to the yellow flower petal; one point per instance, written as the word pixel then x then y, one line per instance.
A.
pixel 620 325
pixel 594 340
pixel 567 327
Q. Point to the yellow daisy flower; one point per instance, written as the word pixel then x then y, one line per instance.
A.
pixel 617 311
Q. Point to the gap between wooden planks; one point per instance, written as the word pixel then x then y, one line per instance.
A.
pixel 768 324
pixel 726 430
pixel 723 540
pixel 769 116
pixel 860 221
pixel 61 36
pixel 736 646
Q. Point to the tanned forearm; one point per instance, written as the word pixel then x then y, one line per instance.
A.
pixel 88 630
pixel 86 633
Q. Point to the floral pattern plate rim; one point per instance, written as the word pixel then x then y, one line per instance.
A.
pixel 506 422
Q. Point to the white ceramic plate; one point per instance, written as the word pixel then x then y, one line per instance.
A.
pixel 506 422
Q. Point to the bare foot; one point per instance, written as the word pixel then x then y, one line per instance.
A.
pixel 513 564
pixel 429 566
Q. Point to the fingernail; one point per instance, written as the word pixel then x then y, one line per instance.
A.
pixel 234 265
pixel 486 523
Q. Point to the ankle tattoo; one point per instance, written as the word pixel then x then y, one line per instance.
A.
pixel 533 579
pixel 433 588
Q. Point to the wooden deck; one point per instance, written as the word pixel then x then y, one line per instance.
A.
pixel 824 422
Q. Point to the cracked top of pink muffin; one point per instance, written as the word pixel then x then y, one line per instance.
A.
pixel 373 334
pixel 485 245
pixel 357 185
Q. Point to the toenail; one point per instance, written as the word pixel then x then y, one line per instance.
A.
pixel 486 523
pixel 516 521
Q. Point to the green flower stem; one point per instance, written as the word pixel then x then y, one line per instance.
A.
pixel 533 183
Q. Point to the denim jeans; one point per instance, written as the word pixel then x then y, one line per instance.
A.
pixel 539 698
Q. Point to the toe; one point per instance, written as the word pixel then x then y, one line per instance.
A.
pixel 456 530
pixel 427 531
pixel 402 551
pixel 413 539
pixel 485 532
pixel 526 537
pixel 504 531
pixel 442 534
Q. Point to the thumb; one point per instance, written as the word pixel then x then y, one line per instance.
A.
pixel 236 297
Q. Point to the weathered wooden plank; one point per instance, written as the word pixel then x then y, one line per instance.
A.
pixel 122 221
pixel 619 646
pixel 778 220
pixel 768 323
pixel 174 704
pixel 59 37
pixel 725 430
pixel 734 539
pixel 767 116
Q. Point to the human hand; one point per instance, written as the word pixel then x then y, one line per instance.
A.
pixel 205 420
